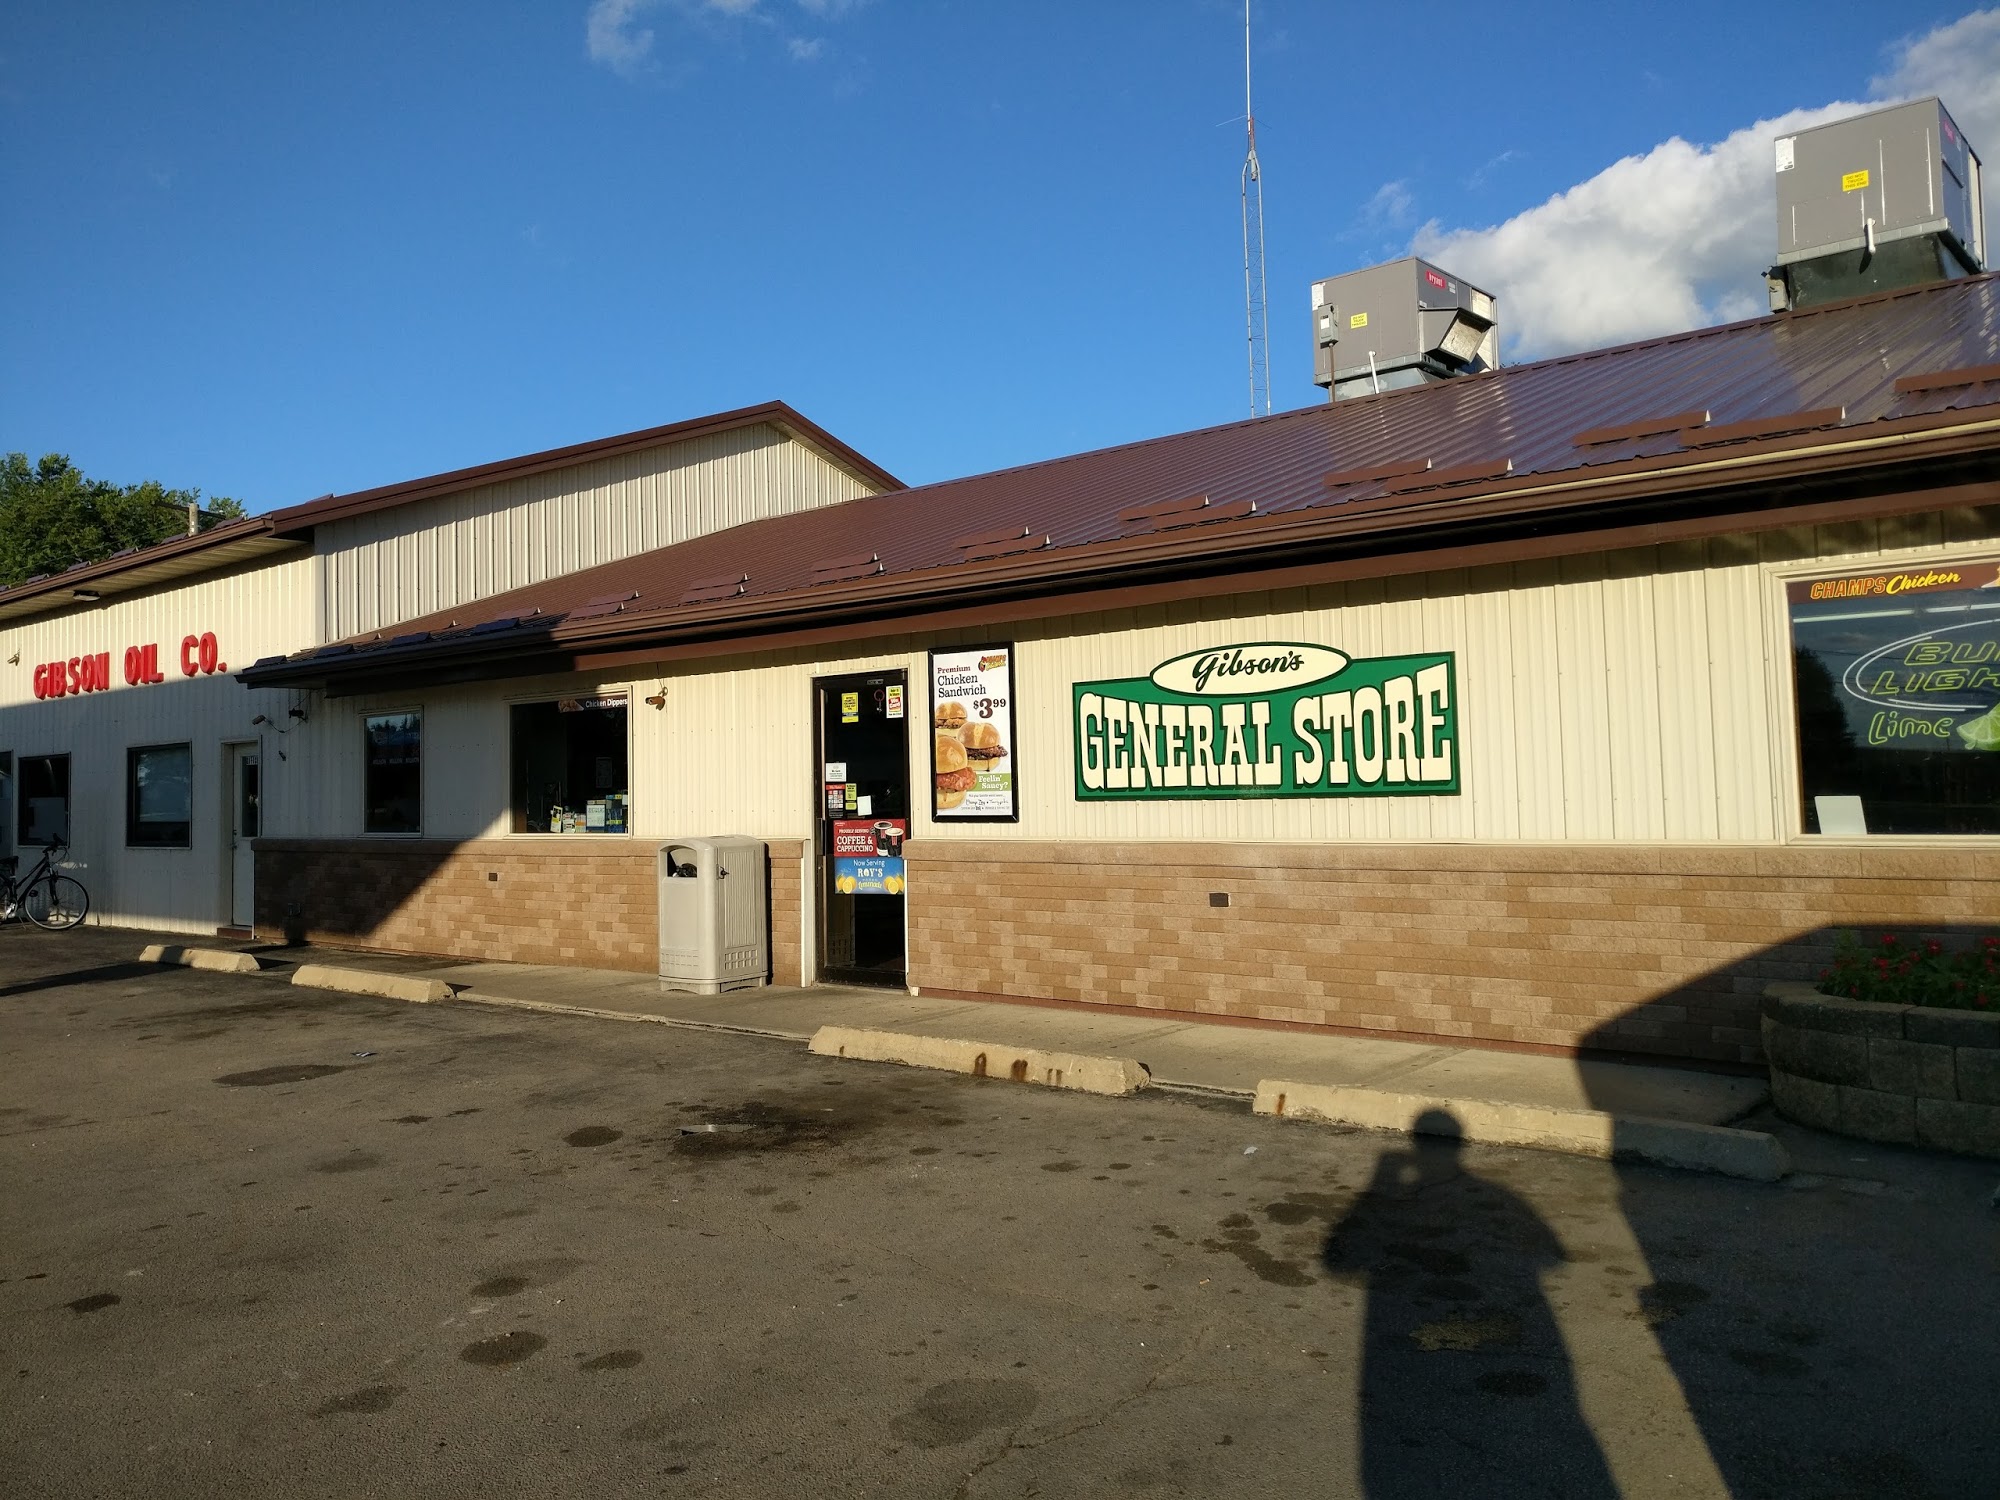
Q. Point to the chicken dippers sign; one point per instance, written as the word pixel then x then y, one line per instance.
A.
pixel 972 739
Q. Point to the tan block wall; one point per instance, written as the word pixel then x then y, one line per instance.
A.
pixel 1661 949
pixel 584 901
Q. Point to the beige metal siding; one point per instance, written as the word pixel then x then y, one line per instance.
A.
pixel 256 611
pixel 1638 697
pixel 409 560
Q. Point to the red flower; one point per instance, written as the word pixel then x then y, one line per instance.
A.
pixel 1888 940
pixel 1933 947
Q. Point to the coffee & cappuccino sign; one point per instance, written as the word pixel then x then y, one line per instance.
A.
pixel 1270 719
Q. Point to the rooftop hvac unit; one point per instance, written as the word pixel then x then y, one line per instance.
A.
pixel 1401 324
pixel 1883 200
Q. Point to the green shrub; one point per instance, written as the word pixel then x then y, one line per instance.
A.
pixel 1899 973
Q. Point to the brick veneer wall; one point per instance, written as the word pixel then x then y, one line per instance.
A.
pixel 1661 950
pixel 555 900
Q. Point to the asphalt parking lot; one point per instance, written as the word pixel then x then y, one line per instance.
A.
pixel 258 1240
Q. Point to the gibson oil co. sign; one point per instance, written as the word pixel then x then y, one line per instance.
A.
pixel 1273 719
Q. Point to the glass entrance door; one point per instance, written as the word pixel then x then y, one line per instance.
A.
pixel 245 822
pixel 863 797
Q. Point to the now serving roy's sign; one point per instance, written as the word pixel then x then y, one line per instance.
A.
pixel 1271 719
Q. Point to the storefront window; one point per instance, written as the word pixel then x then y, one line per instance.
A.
pixel 41 799
pixel 394 788
pixel 1898 690
pixel 570 766
pixel 159 796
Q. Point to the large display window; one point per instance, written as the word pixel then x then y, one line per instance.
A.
pixel 393 789
pixel 159 796
pixel 570 765
pixel 1897 675
pixel 41 799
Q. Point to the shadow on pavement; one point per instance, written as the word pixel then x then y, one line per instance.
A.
pixel 102 974
pixel 1823 1341
pixel 1452 1264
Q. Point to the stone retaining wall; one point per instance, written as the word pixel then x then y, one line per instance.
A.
pixel 1912 1074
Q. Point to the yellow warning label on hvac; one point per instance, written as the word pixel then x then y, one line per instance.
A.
pixel 1359 320
pixel 1853 182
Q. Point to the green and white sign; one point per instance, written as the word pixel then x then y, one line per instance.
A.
pixel 1273 719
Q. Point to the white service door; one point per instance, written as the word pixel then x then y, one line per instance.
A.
pixel 244 820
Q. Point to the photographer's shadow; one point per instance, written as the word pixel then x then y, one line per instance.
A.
pixel 1466 1388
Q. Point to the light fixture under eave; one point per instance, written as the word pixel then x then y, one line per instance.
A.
pixel 85 596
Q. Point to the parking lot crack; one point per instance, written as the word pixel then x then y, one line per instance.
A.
pixel 1161 1382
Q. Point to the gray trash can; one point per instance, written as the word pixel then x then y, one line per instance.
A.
pixel 712 931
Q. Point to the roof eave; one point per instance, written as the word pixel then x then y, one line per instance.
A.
pixel 219 547
pixel 1572 501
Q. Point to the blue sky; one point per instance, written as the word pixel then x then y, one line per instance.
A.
pixel 275 251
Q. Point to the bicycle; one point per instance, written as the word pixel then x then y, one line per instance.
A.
pixel 45 898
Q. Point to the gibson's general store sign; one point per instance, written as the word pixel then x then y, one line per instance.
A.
pixel 1272 719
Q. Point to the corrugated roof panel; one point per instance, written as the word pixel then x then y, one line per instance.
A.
pixel 1744 376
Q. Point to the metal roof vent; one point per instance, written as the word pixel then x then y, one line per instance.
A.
pixel 1878 201
pixel 1401 324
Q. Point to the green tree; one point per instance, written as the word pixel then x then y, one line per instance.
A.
pixel 52 516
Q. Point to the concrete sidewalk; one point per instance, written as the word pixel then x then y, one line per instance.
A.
pixel 1211 1057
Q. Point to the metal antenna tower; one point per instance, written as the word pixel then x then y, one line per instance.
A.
pixel 1256 317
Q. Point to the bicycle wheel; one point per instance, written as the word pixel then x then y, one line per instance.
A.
pixel 55 902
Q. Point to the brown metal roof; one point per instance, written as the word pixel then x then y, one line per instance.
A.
pixel 1798 398
pixel 280 530
pixel 297 518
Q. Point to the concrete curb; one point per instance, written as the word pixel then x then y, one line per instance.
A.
pixel 476 996
pixel 368 982
pixel 1748 1154
pixel 1062 1070
pixel 222 960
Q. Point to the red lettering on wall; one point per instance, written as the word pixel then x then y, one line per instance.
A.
pixel 200 656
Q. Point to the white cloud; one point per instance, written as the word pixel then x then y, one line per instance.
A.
pixel 1478 180
pixel 1678 237
pixel 613 37
pixel 1391 205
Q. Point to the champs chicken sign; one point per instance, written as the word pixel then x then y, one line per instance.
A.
pixel 1272 719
